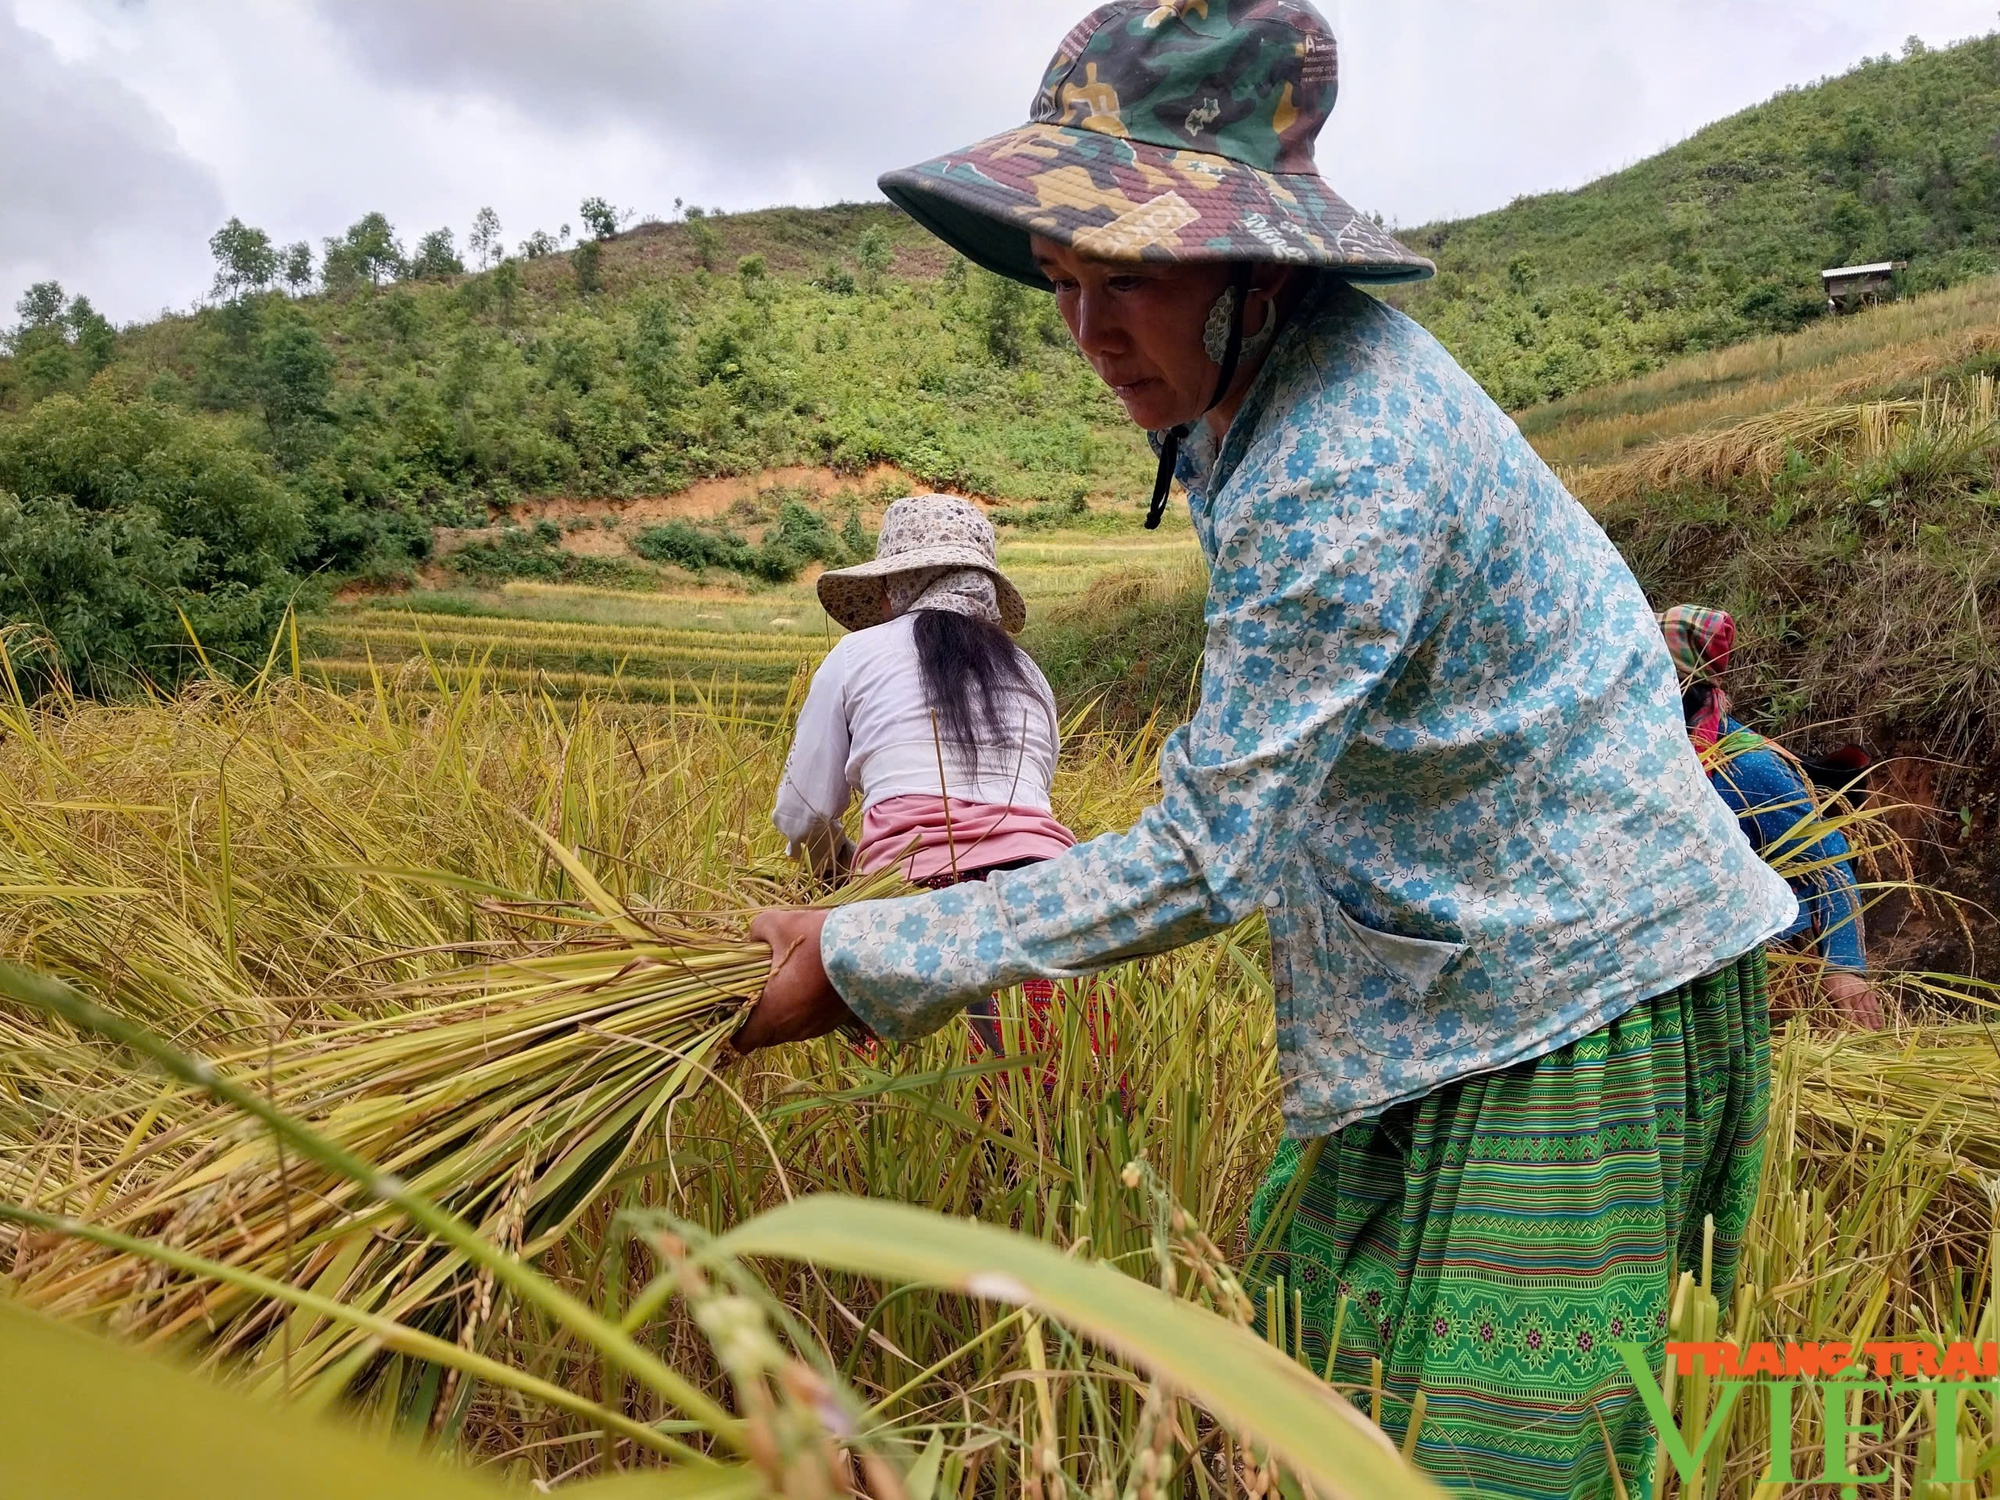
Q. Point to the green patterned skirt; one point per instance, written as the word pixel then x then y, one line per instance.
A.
pixel 1496 1237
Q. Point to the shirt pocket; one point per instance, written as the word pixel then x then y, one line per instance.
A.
pixel 1347 987
pixel 1413 965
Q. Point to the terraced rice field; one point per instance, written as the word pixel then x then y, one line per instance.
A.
pixel 738 649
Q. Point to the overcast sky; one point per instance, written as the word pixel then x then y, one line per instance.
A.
pixel 129 129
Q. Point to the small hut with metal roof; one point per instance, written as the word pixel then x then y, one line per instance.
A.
pixel 1851 288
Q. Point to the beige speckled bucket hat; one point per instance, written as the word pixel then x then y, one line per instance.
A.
pixel 920 533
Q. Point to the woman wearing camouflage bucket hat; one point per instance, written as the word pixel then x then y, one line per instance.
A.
pixel 1516 941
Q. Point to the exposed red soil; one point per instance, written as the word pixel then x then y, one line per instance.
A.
pixel 710 499
pixel 1951 850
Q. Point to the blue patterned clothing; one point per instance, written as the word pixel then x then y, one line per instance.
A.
pixel 1769 796
pixel 1439 746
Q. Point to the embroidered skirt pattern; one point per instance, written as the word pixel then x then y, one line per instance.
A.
pixel 1496 1237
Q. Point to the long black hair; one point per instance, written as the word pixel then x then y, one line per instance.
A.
pixel 970 668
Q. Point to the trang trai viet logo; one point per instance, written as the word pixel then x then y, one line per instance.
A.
pixel 1941 1376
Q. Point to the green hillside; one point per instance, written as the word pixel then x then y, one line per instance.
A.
pixel 207 472
pixel 330 436
pixel 1723 236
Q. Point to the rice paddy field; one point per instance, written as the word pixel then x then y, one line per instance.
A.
pixel 1885 350
pixel 491 941
pixel 712 640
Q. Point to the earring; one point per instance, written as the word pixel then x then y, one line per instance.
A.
pixel 1253 343
pixel 1215 332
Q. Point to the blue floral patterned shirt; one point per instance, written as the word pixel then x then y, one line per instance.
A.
pixel 1439 745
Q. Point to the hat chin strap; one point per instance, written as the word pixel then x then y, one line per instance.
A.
pixel 1232 354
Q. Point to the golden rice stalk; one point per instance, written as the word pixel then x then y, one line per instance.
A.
pixel 1937 1086
pixel 1754 448
pixel 1759 447
pixel 510 1093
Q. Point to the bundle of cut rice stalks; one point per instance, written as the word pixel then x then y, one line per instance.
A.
pixel 509 1093
pixel 1936 1088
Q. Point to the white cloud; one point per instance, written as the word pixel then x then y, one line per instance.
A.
pixel 825 96
pixel 301 117
pixel 93 185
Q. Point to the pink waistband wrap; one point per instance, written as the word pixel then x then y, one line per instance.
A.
pixel 933 836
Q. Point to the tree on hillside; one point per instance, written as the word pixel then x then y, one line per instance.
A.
pixel 294 372
pixel 585 261
pixel 245 262
pixel 90 334
pixel 601 219
pixel 1000 312
pixel 127 524
pixel 60 341
pixel 506 287
pixel 874 256
pixel 369 252
pixel 41 305
pixel 538 244
pixel 707 243
pixel 295 265
pixel 654 353
pixel 436 257
pixel 485 241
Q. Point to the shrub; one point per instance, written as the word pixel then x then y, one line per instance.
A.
pixel 798 536
pixel 514 553
pixel 707 243
pixel 836 278
pixel 128 524
pixel 804 533
pixel 535 552
pixel 1001 314
pixel 587 261
pixel 680 543
pixel 855 540
pixel 874 255
pixel 294 372
pixel 1044 517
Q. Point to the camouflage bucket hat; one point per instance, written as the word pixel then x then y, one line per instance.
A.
pixel 1180 131
pixel 920 534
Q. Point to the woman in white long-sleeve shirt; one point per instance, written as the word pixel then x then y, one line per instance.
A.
pixel 944 727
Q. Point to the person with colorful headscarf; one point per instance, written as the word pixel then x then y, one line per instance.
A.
pixel 1517 943
pixel 1772 797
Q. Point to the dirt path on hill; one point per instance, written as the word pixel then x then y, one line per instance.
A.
pixel 710 499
